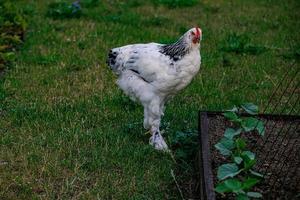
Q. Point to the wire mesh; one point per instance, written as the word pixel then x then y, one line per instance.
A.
pixel 279 150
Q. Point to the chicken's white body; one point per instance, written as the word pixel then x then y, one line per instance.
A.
pixel 151 76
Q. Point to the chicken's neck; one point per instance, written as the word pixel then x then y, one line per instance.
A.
pixel 177 50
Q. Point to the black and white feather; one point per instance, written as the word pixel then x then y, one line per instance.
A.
pixel 152 73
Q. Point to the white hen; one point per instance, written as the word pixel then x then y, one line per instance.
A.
pixel 153 73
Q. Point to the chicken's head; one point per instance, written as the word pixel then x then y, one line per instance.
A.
pixel 194 35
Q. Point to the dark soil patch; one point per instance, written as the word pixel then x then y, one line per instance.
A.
pixel 278 155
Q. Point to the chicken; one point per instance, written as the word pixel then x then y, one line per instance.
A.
pixel 153 73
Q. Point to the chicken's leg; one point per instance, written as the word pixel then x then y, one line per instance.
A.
pixel 154 117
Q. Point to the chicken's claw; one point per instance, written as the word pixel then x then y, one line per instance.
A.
pixel 158 142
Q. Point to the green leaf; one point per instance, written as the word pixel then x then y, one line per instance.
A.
pixel 250 108
pixel 232 116
pixel 228 143
pixel 224 146
pixel 230 132
pixel 249 123
pixel 240 143
pixel 254 194
pixel 223 150
pixel 248 163
pixel 249 183
pixel 233 184
pixel 222 188
pixel 242 197
pixel 260 128
pixel 238 160
pixel 228 170
pixel 256 173
pixel 249 154
pixel 9 56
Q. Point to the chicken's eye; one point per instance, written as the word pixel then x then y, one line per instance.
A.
pixel 193 33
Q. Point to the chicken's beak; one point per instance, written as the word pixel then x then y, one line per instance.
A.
pixel 199 34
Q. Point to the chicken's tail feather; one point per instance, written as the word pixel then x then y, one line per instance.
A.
pixel 111 60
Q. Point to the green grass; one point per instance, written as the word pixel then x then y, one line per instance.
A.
pixel 67 131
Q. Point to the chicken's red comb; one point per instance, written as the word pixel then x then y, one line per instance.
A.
pixel 198 31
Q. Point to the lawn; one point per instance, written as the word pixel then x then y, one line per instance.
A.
pixel 68 132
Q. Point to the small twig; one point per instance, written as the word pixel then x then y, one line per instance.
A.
pixel 276 48
pixel 177 185
pixel 171 154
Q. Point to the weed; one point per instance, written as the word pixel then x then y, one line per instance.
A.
pixel 11 18
pixel 12 27
pixel 240 44
pixel 60 10
pixel 185 145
